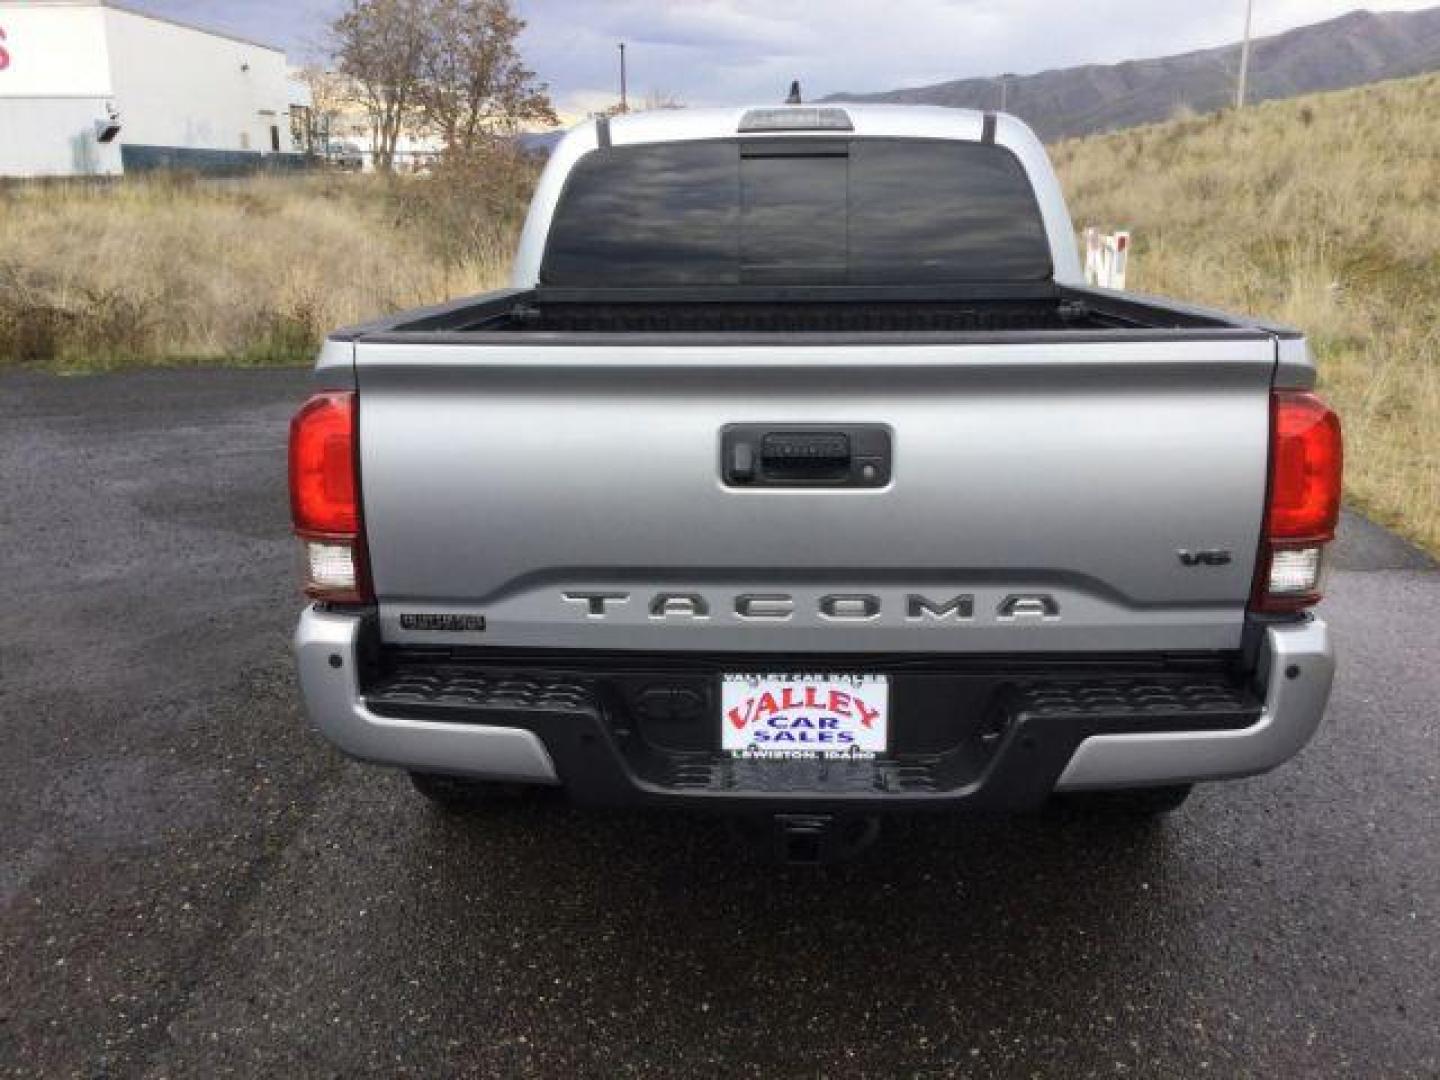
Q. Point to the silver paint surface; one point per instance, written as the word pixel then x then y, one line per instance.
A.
pixel 498 478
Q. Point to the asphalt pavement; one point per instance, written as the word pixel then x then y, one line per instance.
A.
pixel 193 884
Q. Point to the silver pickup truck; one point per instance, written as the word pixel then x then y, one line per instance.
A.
pixel 799 476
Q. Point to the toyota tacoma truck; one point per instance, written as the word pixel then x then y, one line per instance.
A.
pixel 800 477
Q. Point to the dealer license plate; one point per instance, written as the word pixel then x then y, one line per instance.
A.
pixel 789 715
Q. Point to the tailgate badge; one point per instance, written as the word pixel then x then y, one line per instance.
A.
pixel 1204 557
pixel 446 624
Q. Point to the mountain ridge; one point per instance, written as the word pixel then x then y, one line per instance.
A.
pixel 1350 50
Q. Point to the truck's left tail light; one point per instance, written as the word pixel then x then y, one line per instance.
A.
pixel 325 498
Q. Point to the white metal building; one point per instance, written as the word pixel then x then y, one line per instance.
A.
pixel 90 87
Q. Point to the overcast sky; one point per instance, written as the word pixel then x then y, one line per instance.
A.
pixel 740 51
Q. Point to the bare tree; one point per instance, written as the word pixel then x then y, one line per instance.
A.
pixel 330 94
pixel 381 45
pixel 473 85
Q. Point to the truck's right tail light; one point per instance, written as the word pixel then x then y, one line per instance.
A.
pixel 325 498
pixel 1306 465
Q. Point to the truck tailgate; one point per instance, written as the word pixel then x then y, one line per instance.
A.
pixel 1102 495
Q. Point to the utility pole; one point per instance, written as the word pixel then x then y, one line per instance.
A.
pixel 624 100
pixel 1244 58
pixel 1005 89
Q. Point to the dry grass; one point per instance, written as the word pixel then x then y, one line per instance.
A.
pixel 1322 212
pixel 177 270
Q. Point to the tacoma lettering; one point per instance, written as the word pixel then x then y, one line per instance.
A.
pixel 836 607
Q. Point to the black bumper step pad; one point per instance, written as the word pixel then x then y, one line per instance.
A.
pixel 466 690
pixel 788 776
pixel 1199 699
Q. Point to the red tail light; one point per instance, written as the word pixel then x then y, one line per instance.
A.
pixel 1306 466
pixel 325 497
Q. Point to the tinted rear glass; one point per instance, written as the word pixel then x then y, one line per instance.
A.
pixel 861 211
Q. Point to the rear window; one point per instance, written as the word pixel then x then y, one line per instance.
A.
pixel 816 211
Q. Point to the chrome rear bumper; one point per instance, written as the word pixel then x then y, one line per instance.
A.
pixel 1297 665
pixel 327 652
pixel 1296 669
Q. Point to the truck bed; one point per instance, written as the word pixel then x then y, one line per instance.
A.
pixel 868 314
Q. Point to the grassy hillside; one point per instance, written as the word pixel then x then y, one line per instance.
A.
pixel 1322 212
pixel 180 270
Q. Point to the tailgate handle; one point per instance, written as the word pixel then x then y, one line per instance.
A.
pixel 805 455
